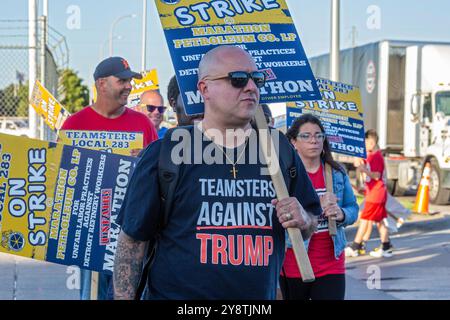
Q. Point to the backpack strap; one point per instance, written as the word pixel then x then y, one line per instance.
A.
pixel 168 172
pixel 286 156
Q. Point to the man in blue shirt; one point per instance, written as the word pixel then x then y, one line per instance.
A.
pixel 225 238
pixel 152 104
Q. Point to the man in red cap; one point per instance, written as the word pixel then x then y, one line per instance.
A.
pixel 109 113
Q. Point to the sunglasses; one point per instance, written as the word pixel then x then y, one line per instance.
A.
pixel 308 136
pixel 239 79
pixel 151 108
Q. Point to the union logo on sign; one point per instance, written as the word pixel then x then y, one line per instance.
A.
pixel 170 1
pixel 13 240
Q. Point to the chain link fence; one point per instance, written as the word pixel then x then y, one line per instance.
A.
pixel 14 73
pixel 14 81
pixel 15 120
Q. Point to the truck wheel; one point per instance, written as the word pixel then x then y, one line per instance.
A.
pixel 438 195
pixel 394 189
pixel 391 185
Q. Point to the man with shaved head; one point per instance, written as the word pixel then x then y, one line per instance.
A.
pixel 152 104
pixel 225 233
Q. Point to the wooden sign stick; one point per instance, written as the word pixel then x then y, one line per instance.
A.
pixel 332 230
pixel 94 285
pixel 295 235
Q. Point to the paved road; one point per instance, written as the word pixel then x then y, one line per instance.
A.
pixel 27 279
pixel 419 269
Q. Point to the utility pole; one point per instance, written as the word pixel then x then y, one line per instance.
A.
pixel 144 35
pixel 32 62
pixel 45 8
pixel 334 45
pixel 354 35
pixel 43 130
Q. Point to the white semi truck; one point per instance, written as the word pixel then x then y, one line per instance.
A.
pixel 405 92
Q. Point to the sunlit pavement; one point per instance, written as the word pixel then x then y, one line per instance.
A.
pixel 28 279
pixel 419 269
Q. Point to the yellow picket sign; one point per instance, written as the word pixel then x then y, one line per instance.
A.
pixel 56 201
pixel 94 94
pixel 179 15
pixel 46 105
pixel 149 81
pixel 28 171
pixel 341 112
pixel 339 99
pixel 109 141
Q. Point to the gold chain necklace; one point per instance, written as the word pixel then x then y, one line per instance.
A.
pixel 233 170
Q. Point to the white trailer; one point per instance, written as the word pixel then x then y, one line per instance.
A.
pixel 405 92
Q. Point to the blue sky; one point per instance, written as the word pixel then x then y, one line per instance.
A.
pixel 399 19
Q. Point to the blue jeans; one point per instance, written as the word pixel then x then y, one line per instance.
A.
pixel 105 286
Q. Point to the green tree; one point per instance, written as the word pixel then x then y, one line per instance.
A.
pixel 14 101
pixel 75 95
pixel 22 107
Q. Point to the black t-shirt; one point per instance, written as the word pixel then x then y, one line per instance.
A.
pixel 223 239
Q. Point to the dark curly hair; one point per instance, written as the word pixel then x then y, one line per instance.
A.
pixel 172 89
pixel 326 155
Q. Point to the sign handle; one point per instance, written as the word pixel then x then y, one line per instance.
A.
pixel 295 235
pixel 94 285
pixel 332 230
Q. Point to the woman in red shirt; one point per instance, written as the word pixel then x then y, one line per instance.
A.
pixel 325 252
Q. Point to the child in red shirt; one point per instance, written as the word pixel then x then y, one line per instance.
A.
pixel 375 201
